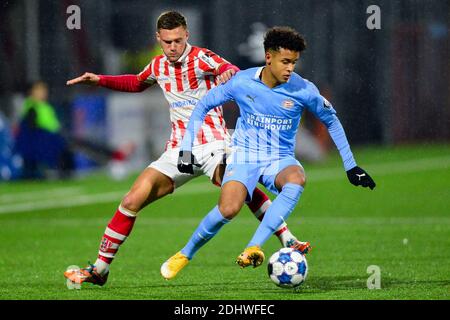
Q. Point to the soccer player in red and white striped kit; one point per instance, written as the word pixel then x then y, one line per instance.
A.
pixel 185 73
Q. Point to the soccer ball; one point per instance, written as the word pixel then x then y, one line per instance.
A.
pixel 287 268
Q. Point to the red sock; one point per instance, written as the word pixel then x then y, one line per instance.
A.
pixel 116 233
pixel 283 228
pixel 259 204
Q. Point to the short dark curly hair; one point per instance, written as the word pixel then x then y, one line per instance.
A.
pixel 170 20
pixel 284 37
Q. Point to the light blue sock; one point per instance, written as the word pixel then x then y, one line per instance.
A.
pixel 278 212
pixel 207 229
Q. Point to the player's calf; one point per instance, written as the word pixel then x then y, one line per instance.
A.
pixel 232 199
pixel 117 231
pixel 259 205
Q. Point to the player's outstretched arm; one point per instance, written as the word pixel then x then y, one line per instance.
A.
pixel 124 83
pixel 356 175
pixel 326 113
pixel 186 159
pixel 215 97
pixel 87 78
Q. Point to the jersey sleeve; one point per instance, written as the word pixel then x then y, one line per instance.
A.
pixel 210 62
pixel 323 109
pixel 124 83
pixel 216 96
pixel 147 75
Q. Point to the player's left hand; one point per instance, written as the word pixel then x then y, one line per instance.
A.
pixel 225 76
pixel 186 162
pixel 358 177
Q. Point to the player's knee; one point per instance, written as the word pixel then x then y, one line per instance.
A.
pixel 165 190
pixel 229 210
pixel 298 178
pixel 131 202
pixel 294 175
pixel 301 180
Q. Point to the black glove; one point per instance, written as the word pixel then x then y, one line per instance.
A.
pixel 359 177
pixel 186 162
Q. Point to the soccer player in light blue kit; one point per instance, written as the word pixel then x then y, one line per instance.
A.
pixel 271 100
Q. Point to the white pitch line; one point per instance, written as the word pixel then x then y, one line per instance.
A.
pixel 62 203
pixel 82 200
pixel 318 175
pixel 384 169
pixel 39 194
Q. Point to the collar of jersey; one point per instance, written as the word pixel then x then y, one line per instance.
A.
pixel 258 73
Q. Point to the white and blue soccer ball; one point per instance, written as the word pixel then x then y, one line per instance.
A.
pixel 287 268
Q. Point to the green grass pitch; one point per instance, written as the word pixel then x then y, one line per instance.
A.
pixel 403 227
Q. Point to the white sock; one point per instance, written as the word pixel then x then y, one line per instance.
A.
pixel 102 267
pixel 286 236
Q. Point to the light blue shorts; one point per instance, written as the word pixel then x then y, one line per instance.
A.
pixel 249 174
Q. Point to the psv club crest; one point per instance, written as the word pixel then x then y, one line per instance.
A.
pixel 287 104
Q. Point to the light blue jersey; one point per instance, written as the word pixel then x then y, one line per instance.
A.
pixel 263 144
pixel 268 123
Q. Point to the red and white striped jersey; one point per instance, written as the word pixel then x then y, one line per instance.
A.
pixel 184 83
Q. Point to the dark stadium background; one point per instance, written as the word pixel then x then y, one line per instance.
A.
pixel 390 86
